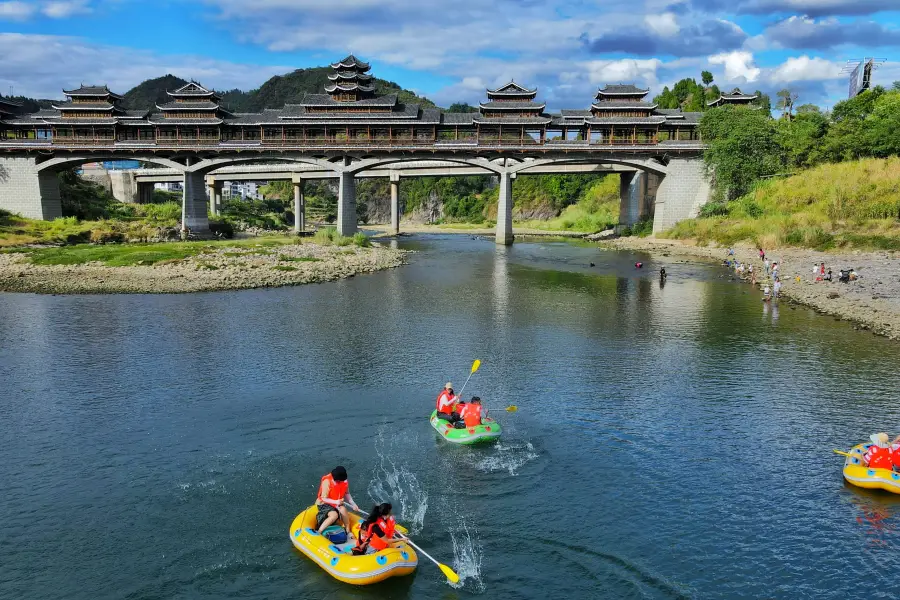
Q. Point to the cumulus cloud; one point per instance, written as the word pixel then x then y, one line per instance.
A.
pixel 806 33
pixel 664 25
pixel 804 68
pixel 65 8
pixel 41 65
pixel 694 39
pixel 812 8
pixel 15 11
pixel 739 66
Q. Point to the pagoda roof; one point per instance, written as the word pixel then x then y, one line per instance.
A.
pixel 622 105
pixel 298 111
pixel 161 119
pixel 736 95
pixel 512 121
pixel 197 105
pixel 348 87
pixel 513 105
pixel 351 62
pixel 135 114
pixel 466 118
pixel 627 89
pixel 92 90
pixel 511 89
pixel 657 120
pixel 83 106
pixel 349 75
pixel 295 114
pixel 322 100
pixel 81 121
pixel 192 89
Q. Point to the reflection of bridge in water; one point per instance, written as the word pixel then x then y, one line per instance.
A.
pixel 350 133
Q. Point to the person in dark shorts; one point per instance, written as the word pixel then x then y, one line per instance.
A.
pixel 331 501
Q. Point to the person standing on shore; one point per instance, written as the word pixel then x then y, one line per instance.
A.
pixel 815 273
pixel 774 270
pixel 776 288
pixel 762 255
pixel 752 275
pixel 766 265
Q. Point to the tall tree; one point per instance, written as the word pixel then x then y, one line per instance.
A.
pixel 786 100
pixel 707 78
pixel 462 107
pixel 763 101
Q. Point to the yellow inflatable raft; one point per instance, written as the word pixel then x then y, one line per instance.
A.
pixel 874 479
pixel 338 560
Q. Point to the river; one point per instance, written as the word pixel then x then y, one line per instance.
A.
pixel 671 441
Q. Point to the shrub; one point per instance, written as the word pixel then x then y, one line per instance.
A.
pixel 222 229
pixel 361 239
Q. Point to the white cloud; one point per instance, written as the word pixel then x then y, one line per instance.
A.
pixel 665 24
pixel 41 65
pixel 63 9
pixel 804 68
pixel 739 66
pixel 16 11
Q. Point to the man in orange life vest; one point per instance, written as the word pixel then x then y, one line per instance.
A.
pixel 334 493
pixel 471 413
pixel 878 456
pixel 377 531
pixel 446 404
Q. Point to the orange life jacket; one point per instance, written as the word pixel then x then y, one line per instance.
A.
pixel 471 414
pixel 878 458
pixel 336 491
pixel 445 402
pixel 895 454
pixel 377 542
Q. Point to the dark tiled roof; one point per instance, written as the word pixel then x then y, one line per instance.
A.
pixel 83 106
pixel 628 121
pixel 575 113
pixel 349 87
pixel 512 89
pixel 160 119
pixel 351 62
pixel 79 121
pixel 11 103
pixel 459 118
pixel 347 75
pixel 191 89
pixel 619 104
pixel 134 114
pixel 198 105
pixel 622 89
pixel 326 100
pixel 514 121
pixel 91 90
pixel 512 105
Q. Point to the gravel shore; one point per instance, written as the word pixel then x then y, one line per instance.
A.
pixel 224 268
pixel 872 302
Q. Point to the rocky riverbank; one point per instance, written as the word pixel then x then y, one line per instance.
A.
pixel 220 267
pixel 872 302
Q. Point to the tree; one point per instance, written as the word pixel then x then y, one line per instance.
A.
pixel 808 108
pixel 786 102
pixel 743 146
pixel 896 86
pixel 883 125
pixel 800 138
pixel 707 78
pixel 461 107
pixel 763 101
pixel 847 137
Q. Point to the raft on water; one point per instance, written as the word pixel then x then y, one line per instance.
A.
pixel 338 560
pixel 488 431
pixel 865 477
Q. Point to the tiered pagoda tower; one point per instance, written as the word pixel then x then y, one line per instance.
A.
pixel 193 113
pixel 621 101
pixel 514 107
pixel 350 81
pixel 735 98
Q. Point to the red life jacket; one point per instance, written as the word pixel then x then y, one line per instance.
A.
pixel 878 458
pixel 445 402
pixel 471 414
pixel 895 454
pixel 377 542
pixel 336 491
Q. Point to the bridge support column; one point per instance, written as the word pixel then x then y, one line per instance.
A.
pixel 211 194
pixel 144 193
pixel 26 191
pixel 504 210
pixel 299 207
pixel 218 202
pixel 193 208
pixel 681 194
pixel 346 214
pixel 395 203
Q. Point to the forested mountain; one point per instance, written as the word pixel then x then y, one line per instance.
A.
pixel 29 105
pixel 274 93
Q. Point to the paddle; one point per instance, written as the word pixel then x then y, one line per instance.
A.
pixel 449 573
pixel 843 453
pixel 475 366
pixel 512 408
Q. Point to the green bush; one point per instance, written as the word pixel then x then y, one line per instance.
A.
pixel 361 239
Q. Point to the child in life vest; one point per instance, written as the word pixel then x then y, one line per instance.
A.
pixel 376 533
pixel 878 456
pixel 471 413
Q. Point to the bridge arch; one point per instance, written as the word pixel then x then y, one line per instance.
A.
pixel 651 166
pixel 60 163
pixel 211 164
pixel 373 163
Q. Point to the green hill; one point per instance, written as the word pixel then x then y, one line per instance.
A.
pixel 152 92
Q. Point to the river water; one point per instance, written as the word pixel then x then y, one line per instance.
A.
pixel 671 441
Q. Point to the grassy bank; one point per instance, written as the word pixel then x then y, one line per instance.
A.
pixel 596 209
pixel 853 204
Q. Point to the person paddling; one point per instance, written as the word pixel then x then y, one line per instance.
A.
pixel 471 412
pixel 377 531
pixel 878 456
pixel 334 493
pixel 446 404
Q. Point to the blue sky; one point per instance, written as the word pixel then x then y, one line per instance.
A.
pixel 451 51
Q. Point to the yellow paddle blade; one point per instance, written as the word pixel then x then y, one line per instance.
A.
pixel 843 453
pixel 401 529
pixel 475 366
pixel 512 408
pixel 449 573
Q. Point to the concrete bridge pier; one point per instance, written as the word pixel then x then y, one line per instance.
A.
pixel 27 191
pixel 211 194
pixel 681 194
pixel 299 206
pixel 193 209
pixel 504 234
pixel 395 203
pixel 144 193
pixel 346 213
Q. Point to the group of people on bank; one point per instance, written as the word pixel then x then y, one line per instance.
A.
pixel 883 454
pixel 456 411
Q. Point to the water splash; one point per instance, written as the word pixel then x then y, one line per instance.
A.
pixel 467 556
pixel 506 457
pixel 398 485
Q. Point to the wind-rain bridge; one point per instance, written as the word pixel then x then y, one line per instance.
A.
pixel 349 132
